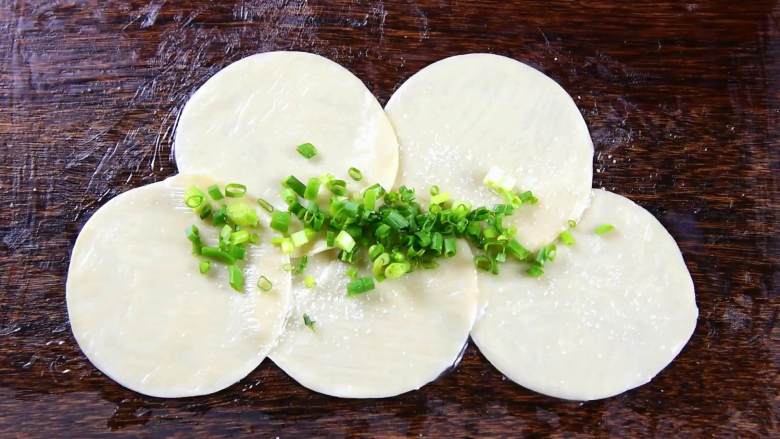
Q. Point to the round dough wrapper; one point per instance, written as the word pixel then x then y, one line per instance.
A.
pixel 461 116
pixel 245 123
pixel 144 315
pixel 396 338
pixel 609 313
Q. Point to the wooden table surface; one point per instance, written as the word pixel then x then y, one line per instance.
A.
pixel 682 100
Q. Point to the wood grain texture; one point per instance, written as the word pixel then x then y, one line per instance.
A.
pixel 682 100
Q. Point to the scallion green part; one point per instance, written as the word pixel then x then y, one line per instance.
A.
pixel 535 270
pixel 566 238
pixel 355 174
pixel 603 229
pixel 309 282
pixel 344 241
pixel 204 267
pixel 214 192
pixel 295 184
pixel 299 238
pixel 307 150
pixel 352 272
pixel 280 221
pixel 359 286
pixel 308 321
pixel 242 214
pixel 217 254
pixel 235 190
pixel 264 284
pixel 312 189
pixel 265 205
pixel 236 278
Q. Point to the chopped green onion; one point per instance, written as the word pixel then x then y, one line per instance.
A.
pixel 437 242
pixel 345 241
pixel 300 266
pixel 337 187
pixel 224 235
pixel 280 221
pixel 214 192
pixel 308 321
pixel 355 174
pixel 535 270
pixel 307 150
pixel 194 197
pixel 312 189
pixel 379 265
pixel 237 251
pixel 309 282
pixel 396 220
pixel 369 198
pixel 450 247
pixel 566 238
pixel 434 190
pixel 204 267
pixel 517 250
pixel 571 223
pixel 236 278
pixel 217 254
pixel 360 286
pixel 440 198
pixel 264 284
pixel 397 256
pixel 604 229
pixel 235 190
pixel 193 234
pixel 265 205
pixel 299 238
pixel 352 272
pixel 397 269
pixel 242 214
pixel 239 237
pixel 294 184
pixel 287 246
pixel 375 250
pixel 330 238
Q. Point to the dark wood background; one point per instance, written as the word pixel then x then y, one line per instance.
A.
pixel 682 100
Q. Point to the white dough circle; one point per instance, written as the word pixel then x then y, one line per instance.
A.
pixel 145 316
pixel 391 340
pixel 609 313
pixel 245 122
pixel 459 117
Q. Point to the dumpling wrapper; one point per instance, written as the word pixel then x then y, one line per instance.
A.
pixel 144 315
pixel 609 313
pixel 459 117
pixel 391 340
pixel 244 124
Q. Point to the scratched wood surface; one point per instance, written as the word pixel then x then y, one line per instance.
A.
pixel 682 100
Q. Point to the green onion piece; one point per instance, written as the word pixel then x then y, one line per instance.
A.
pixel 254 238
pixel 360 286
pixel 287 246
pixel 352 272
pixel 194 197
pixel 312 189
pixel 236 278
pixel 220 216
pixel 566 238
pixel 528 197
pixel 204 267
pixel 235 190
pixel 294 184
pixel 604 229
pixel 193 234
pixel 224 236
pixel 345 241
pixel 397 269
pixel 355 174
pixel 396 220
pixel 517 250
pixel 535 270
pixel 460 209
pixel 280 221
pixel 299 238
pixel 237 251
pixel 309 282
pixel 287 267
pixel 307 150
pixel 450 247
pixel 277 240
pixel 214 192
pixel 265 205
pixel 217 254
pixel 571 223
pixel 242 214
pixel 289 196
pixel 330 238
pixel 379 265
pixel 264 284
pixel 437 242
pixel 308 322
pixel 204 210
pixel 375 250
pixel 239 237
pixel 397 256
pixel 440 197
pixel 300 265
pixel 435 190
pixel 382 232
pixel 369 198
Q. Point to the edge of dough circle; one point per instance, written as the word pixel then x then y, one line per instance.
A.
pixel 143 314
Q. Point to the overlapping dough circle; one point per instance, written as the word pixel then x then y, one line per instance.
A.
pixel 244 123
pixel 143 314
pixel 391 340
pixel 460 116
pixel 609 313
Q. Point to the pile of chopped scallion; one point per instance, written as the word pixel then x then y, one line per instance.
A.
pixel 387 230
